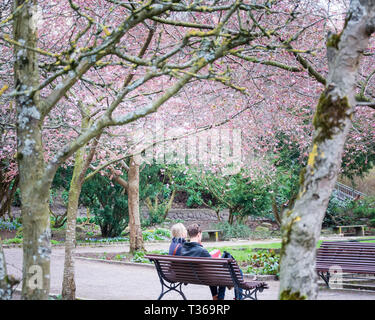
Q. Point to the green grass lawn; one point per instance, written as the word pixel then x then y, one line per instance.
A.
pixel 241 252
pixel 253 261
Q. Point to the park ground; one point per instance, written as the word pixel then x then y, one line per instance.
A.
pixel 104 280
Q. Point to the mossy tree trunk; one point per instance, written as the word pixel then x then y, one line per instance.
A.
pixel 301 223
pixel 81 165
pixel 34 189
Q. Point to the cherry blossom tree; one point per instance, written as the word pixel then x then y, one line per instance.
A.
pixel 301 224
pixel 78 71
pixel 54 60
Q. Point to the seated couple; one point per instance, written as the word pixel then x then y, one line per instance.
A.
pixel 193 248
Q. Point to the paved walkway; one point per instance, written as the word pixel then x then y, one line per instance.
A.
pixel 111 281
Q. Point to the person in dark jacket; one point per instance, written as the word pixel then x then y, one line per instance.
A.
pixel 179 234
pixel 194 248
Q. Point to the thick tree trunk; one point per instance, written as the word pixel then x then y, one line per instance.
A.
pixel 33 188
pixel 136 238
pixel 301 223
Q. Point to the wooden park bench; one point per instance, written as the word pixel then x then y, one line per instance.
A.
pixel 213 234
pixel 359 230
pixel 174 271
pixel 345 257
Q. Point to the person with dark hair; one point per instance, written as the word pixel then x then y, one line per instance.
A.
pixel 194 248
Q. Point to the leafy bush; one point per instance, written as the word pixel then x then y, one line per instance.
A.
pixel 349 212
pixel 264 262
pixel 163 232
pixel 139 257
pixel 235 230
pixel 364 208
pixel 157 192
pixel 108 203
pixel 119 257
pixel 12 241
pixel 155 216
pixel 81 220
pixel 242 196
pixel 264 234
pixel 336 212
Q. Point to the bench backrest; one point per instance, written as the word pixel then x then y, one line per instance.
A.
pixel 350 256
pixel 197 270
pixel 347 244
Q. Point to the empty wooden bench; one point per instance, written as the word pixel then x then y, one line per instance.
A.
pixel 174 271
pixel 346 257
pixel 213 234
pixel 359 230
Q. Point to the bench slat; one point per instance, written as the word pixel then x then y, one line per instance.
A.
pixel 351 257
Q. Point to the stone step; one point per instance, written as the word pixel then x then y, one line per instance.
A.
pixel 352 283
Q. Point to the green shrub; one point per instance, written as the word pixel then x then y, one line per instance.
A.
pixel 235 230
pixel 81 220
pixel 242 196
pixel 12 241
pixel 157 192
pixel 349 212
pixel 264 262
pixel 19 233
pixel 163 232
pixel 155 216
pixel 264 234
pixel 139 257
pixel 108 204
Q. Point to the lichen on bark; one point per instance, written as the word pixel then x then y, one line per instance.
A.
pixel 333 40
pixel 289 295
pixel 329 116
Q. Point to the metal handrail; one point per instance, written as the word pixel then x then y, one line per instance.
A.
pixel 345 192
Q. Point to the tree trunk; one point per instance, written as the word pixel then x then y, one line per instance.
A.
pixel 231 216
pixel 136 238
pixel 276 211
pixel 5 289
pixel 36 235
pixel 68 285
pixel 8 189
pixel 33 189
pixel 301 223
pixel 6 282
pixel 80 167
pixel 217 211
pixel 169 204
